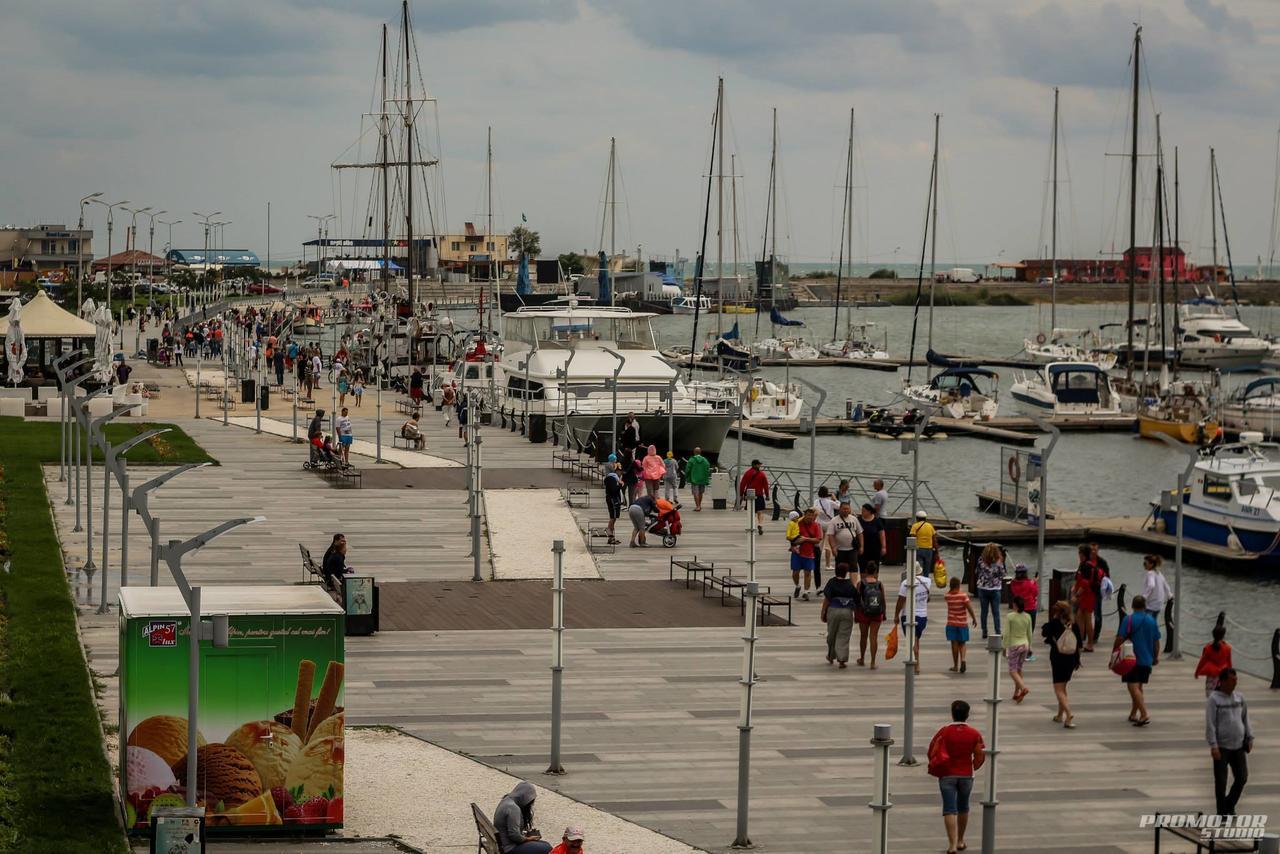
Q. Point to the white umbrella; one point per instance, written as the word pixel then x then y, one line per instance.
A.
pixel 88 309
pixel 15 344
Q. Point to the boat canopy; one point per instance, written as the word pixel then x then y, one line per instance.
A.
pixel 940 361
pixel 1265 386
pixel 963 379
pixel 1077 382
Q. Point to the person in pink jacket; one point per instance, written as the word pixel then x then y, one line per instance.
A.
pixel 654 470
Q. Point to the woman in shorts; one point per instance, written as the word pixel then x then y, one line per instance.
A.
pixel 870 612
pixel 959 605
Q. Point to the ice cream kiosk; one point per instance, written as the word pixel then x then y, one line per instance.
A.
pixel 270 723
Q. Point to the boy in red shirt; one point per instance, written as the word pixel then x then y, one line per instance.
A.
pixel 802 557
pixel 954 754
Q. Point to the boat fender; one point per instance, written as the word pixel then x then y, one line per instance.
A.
pixel 755 394
pixel 1161 526
pixel 1015 471
pixel 1040 338
pixel 1233 542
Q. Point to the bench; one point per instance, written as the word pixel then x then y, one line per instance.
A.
pixel 349 477
pixel 409 444
pixel 691 568
pixel 406 405
pixel 311 569
pixel 306 403
pixel 598 538
pixel 487 833
pixel 578 495
pixel 768 603
pixel 564 459
pixel 1192 835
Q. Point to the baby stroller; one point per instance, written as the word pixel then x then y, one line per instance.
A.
pixel 667 523
pixel 323 455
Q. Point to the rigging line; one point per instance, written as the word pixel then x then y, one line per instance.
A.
pixel 1226 242
pixel 924 248
pixel 1274 237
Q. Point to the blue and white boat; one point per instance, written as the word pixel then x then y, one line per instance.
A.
pixel 1066 388
pixel 1233 500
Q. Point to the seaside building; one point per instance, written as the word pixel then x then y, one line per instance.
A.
pixel 44 248
pixel 1090 270
pixel 195 259
pixel 473 252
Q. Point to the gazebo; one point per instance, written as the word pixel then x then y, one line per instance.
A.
pixel 49 331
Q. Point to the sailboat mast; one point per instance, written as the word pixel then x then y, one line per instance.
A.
pixel 1226 240
pixel 1275 214
pixel 699 271
pixel 1177 246
pixel 846 228
pixel 1133 198
pixel 924 242
pixel 1053 232
pixel 773 196
pixel 613 197
pixel 386 191
pixel 408 157
pixel 1159 232
pixel 1213 210
pixel 933 247
pixel 493 256
pixel 720 209
pixel 733 205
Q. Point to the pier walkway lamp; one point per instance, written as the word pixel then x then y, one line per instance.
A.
pixel 1184 478
pixel 80 248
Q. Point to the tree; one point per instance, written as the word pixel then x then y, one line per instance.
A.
pixel 884 273
pixel 525 241
pixel 572 262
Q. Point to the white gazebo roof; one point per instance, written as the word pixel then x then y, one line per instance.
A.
pixel 43 318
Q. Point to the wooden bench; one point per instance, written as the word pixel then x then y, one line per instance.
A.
pixel 598 538
pixel 691 568
pixel 306 403
pixel 768 603
pixel 578 495
pixel 349 477
pixel 487 833
pixel 1192 835
pixel 312 571
pixel 409 444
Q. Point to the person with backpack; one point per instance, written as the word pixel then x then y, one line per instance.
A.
pixel 1214 658
pixel 839 599
pixel 955 753
pixel 1085 592
pixel 613 492
pixel 1065 640
pixel 869 613
pixel 1141 630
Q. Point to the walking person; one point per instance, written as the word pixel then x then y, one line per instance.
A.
pixel 277 362
pixel 613 490
pixel 844 535
pixel 1084 593
pixel 1017 646
pixel 839 597
pixel 357 389
pixel 1027 591
pixel 460 408
pixel 870 612
pixel 827 509
pixel 345 437
pixel 1065 641
pixel 1230 738
pixel 879 498
pixel 990 581
pixel 959 606
pixel 697 473
pixel 654 471
pixel 1104 582
pixel 803 558
pixel 917 588
pixel 926 541
pixel 448 400
pixel 1214 658
pixel 1140 629
pixel 872 547
pixel 630 438
pixel 954 754
pixel 754 478
pixel 671 478
pixel 630 473
pixel 1155 587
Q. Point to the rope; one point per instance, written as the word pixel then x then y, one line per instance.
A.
pixel 1248 630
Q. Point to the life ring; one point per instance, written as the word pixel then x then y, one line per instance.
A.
pixel 1015 470
pixel 1040 339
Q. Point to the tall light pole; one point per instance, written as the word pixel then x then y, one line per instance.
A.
pixel 80 248
pixel 110 224
pixel 169 248
pixel 151 250
pixel 220 244
pixel 133 242
pixel 321 221
pixel 206 220
pixel 1184 478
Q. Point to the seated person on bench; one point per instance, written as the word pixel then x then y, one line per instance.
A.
pixel 410 430
pixel 334 567
pixel 513 819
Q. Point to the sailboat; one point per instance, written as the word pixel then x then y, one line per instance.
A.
pixel 1060 344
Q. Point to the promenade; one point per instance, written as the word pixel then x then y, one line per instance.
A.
pixel 650 729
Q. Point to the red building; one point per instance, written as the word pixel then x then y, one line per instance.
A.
pixel 1088 270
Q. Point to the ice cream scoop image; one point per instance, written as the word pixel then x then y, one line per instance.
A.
pixel 318 768
pixel 270 746
pixel 224 775
pixel 330 727
pixel 145 769
pixel 164 735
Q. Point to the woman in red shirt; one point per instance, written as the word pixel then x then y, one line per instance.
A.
pixel 1084 594
pixel 954 754
pixel 1214 659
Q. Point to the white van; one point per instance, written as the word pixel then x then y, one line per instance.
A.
pixel 963 275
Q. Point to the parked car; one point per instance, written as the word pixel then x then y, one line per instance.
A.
pixel 316 282
pixel 264 288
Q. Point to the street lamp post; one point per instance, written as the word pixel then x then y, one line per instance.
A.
pixel 73 442
pixel 613 385
pixel 133 260
pixel 1042 502
pixel 62 374
pixel 141 502
pixel 80 248
pixel 151 250
pixel 96 427
pixel 110 225
pixel 207 221
pixel 1184 478
pixel 813 434
pixel 118 465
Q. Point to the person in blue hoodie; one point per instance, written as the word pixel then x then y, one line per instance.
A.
pixel 513 820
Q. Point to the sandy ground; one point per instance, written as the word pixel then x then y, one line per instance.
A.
pixel 398 785
pixel 523 523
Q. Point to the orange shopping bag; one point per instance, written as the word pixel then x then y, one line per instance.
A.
pixel 891 643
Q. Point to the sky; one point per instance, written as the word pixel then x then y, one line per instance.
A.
pixel 190 105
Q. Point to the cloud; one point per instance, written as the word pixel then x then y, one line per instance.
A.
pixel 1219 20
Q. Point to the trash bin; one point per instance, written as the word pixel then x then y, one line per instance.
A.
pixel 264 397
pixel 246 391
pixel 177 829
pixel 360 595
pixel 538 428
pixel 721 489
pixel 895 541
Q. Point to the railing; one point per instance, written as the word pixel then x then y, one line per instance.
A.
pixel 1258 663
pixel 793 484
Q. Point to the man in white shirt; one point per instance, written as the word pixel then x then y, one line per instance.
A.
pixel 879 498
pixel 921 594
pixel 844 536
pixel 345 436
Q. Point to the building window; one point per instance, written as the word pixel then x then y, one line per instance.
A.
pixel 457 245
pixel 489 246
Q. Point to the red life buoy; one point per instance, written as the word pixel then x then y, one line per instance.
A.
pixel 1015 470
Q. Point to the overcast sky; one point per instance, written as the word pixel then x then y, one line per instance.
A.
pixel 199 105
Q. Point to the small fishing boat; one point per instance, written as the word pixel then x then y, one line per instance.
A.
pixel 1066 388
pixel 737 308
pixel 1231 500
pixel 1254 407
pixel 691 305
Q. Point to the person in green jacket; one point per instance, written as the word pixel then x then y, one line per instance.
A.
pixel 697 472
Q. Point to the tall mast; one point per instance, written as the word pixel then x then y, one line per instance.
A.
pixel 933 246
pixel 386 209
pixel 1053 239
pixel 488 180
pixel 613 197
pixel 1213 211
pixel 1178 258
pixel 924 243
pixel 1159 231
pixel 773 195
pixel 1275 214
pixel 1226 238
pixel 720 208
pixel 1133 198
pixel 733 207
pixel 846 216
pixel 700 267
pixel 408 158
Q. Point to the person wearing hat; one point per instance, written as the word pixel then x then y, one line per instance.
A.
pixel 571 842
pixel 926 541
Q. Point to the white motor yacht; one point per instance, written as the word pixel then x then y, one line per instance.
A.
pixel 1066 388
pixel 691 305
pixel 1209 338
pixel 960 392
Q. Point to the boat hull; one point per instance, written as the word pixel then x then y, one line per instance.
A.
pixel 1191 433
pixel 1264 420
pixel 1225 358
pixel 1261 543
pixel 707 432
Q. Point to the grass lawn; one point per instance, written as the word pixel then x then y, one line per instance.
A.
pixel 55 783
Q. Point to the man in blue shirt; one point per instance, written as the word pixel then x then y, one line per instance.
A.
pixel 1141 630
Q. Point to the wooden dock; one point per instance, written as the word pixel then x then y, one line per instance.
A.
pixel 763 436
pixel 889 365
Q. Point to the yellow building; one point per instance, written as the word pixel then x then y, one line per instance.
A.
pixel 473 252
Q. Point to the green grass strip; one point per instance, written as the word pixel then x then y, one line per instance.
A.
pixel 55 783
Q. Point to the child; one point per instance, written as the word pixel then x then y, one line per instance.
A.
pixel 1215 658
pixel 958 602
pixel 1028 591
pixel 793 534
pixel 1017 643
pixel 357 390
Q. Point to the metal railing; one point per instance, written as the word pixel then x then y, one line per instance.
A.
pixel 792 485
